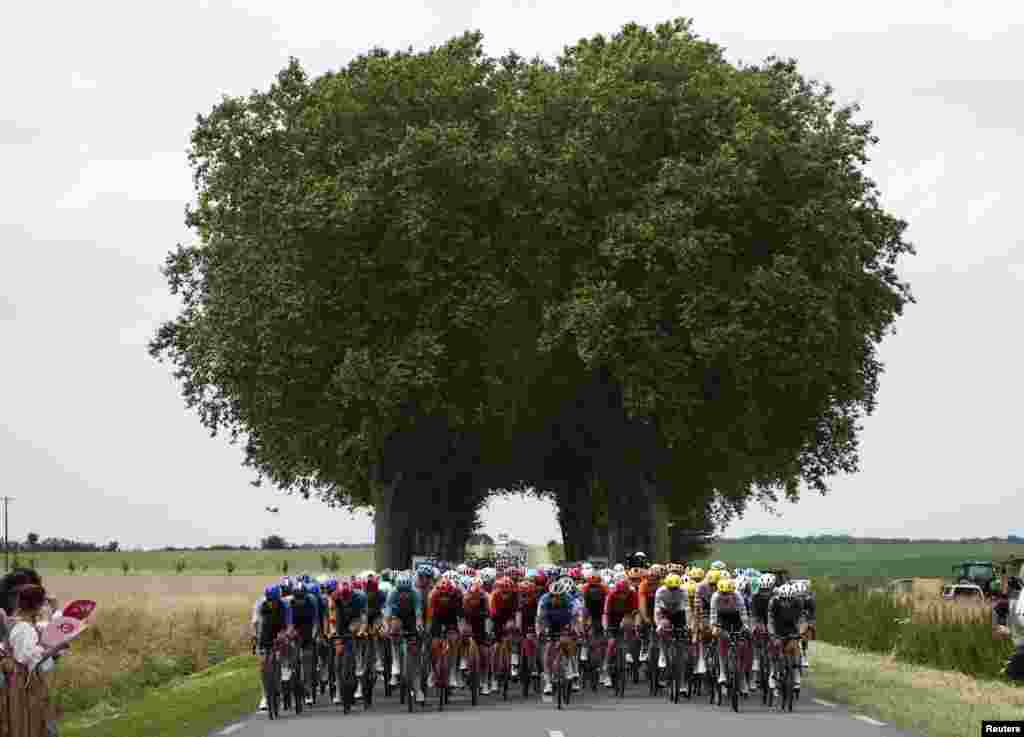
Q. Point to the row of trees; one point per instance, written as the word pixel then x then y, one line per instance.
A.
pixel 33 543
pixel 639 281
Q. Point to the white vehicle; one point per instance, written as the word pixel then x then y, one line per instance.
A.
pixel 963 591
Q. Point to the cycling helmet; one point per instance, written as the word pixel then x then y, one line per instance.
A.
pixel 691 588
pixel 640 559
pixel 564 586
pixel 785 591
pixel 726 586
pixel 768 581
pixel 742 584
pixel 272 593
pixel 488 575
pixel 461 568
pixel 403 582
pixel 526 586
pixel 718 565
pixel 425 571
pixel 313 588
pixel 619 568
pixel 386 575
pixel 713 576
pixel 697 574
pixel 620 576
pixel 673 581
pixel 658 570
pixel 322 579
pixel 331 585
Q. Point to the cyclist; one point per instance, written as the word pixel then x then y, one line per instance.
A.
pixel 404 614
pixel 648 591
pixel 593 595
pixel 474 624
pixel 527 605
pixel 759 609
pixel 707 585
pixel 729 614
pixel 785 617
pixel 306 615
pixel 273 617
pixel 810 631
pixel 556 611
pixel 501 608
pixel 671 603
pixel 348 606
pixel 620 612
pixel 444 612
pixel 375 598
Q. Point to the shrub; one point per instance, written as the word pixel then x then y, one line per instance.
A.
pixel 335 562
pixel 180 564
pixel 71 566
pixel 126 566
pixel 230 565
pixel 284 567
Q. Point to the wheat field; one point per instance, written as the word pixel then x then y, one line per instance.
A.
pixel 146 629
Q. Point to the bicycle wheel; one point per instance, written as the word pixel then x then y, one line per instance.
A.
pixel 679 681
pixel 621 674
pixel 734 681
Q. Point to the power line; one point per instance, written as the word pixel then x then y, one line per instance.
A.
pixel 7 547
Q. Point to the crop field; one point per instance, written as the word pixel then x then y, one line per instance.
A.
pixel 848 561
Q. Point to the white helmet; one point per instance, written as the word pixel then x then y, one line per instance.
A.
pixel 461 568
pixel 742 583
pixel 785 591
pixel 564 586
pixel 768 581
pixel 620 576
pixel 718 566
pixel 487 575
pixel 619 568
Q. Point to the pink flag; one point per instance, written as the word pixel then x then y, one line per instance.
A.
pixel 62 629
pixel 79 609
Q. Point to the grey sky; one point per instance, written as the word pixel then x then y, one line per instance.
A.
pixel 99 99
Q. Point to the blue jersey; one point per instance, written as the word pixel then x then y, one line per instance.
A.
pixel 406 605
pixel 346 612
pixel 548 615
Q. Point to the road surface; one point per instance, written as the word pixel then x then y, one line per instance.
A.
pixel 595 715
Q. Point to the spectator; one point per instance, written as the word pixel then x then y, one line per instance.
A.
pixel 1009 624
pixel 31 710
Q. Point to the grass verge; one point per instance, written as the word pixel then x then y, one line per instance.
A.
pixel 192 706
pixel 931 702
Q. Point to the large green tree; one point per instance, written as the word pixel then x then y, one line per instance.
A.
pixel 444 235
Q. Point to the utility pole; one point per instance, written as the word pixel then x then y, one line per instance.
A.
pixel 7 548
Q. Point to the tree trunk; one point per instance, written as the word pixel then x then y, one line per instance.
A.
pixel 388 530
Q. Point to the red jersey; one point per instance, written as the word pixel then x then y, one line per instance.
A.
pixel 594 597
pixel 618 605
pixel 474 605
pixel 503 604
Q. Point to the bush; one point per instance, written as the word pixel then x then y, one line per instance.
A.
pixel 230 565
pixel 71 567
pixel 335 562
pixel 325 561
pixel 126 566
pixel 927 635
pixel 284 567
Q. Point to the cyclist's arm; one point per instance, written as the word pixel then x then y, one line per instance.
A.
pixel 644 618
pixel 713 615
pixel 771 617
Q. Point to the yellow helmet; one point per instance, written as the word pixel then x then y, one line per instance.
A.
pixel 712 576
pixel 726 585
pixel 673 581
pixel 697 574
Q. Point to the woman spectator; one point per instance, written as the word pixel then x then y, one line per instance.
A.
pixel 31 711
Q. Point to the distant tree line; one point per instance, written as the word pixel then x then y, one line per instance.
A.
pixel 33 543
pixel 842 539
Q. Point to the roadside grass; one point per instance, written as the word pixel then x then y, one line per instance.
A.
pixel 932 702
pixel 189 706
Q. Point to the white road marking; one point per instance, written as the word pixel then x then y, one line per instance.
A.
pixel 823 703
pixel 869 720
pixel 555 733
pixel 233 728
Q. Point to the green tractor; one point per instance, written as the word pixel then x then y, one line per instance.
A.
pixel 979 572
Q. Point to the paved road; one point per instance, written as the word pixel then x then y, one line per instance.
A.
pixel 596 715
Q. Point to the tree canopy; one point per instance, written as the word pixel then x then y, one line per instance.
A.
pixel 452 273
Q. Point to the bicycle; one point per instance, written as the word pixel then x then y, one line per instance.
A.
pixel 471 648
pixel 764 669
pixel 676 648
pixel 271 675
pixel 408 652
pixel 619 673
pixel 441 653
pixel 527 660
pixel 732 669
pixel 787 663
pixel 502 665
pixel 590 667
pixel 561 684
pixel 713 665
pixel 291 678
pixel 346 669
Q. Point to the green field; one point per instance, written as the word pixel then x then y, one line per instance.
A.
pixel 843 561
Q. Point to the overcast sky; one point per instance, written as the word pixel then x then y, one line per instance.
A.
pixel 98 102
